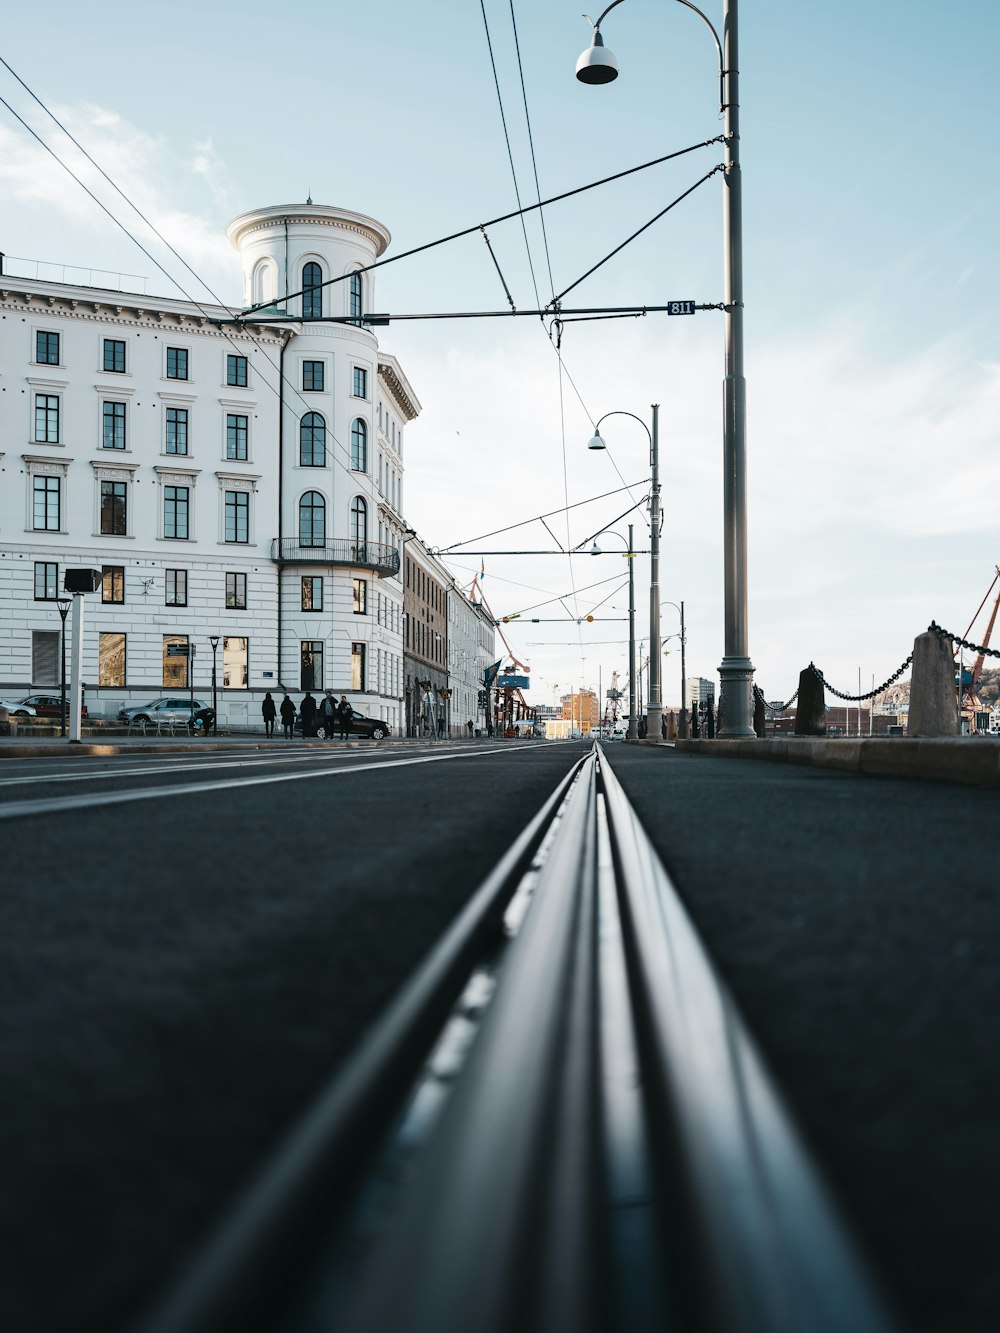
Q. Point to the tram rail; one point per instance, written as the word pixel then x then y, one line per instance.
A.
pixel 600 1146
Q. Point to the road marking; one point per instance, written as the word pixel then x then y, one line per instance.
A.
pixel 63 804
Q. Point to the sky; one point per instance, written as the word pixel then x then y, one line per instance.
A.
pixel 870 195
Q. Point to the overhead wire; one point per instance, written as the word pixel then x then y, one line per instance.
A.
pixel 261 347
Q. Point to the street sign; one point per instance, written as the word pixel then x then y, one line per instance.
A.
pixel 513 682
pixel 680 307
pixel 177 650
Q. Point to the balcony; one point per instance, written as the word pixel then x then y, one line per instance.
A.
pixel 381 559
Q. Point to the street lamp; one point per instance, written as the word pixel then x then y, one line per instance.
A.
pixel 682 729
pixel 630 557
pixel 598 65
pixel 63 605
pixel 214 641
pixel 654 710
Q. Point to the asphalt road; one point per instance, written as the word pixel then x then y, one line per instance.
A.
pixel 189 944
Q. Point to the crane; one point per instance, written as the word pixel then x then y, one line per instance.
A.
pixel 969 700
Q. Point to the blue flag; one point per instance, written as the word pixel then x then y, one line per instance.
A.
pixel 490 674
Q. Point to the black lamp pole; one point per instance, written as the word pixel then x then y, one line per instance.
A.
pixel 214 641
pixel 63 605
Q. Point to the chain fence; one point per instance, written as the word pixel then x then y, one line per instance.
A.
pixel 934 628
pixel 777 708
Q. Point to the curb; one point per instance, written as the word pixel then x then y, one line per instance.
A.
pixel 971 760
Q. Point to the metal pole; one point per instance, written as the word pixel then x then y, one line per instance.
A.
pixel 215 704
pixel 76 671
pixel 655 710
pixel 63 609
pixel 682 729
pixel 632 723
pixel 736 670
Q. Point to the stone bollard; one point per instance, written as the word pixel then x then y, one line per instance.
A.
pixel 695 728
pixel 933 695
pixel 759 717
pixel 671 727
pixel 810 714
pixel 710 722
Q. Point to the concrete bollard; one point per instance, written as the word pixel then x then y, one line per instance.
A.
pixel 933 692
pixel 671 726
pixel 810 713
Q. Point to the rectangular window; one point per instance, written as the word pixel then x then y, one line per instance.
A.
pixel 114 425
pixel 360 597
pixel 47 504
pixel 46 418
pixel 236 592
pixel 114 355
pixel 177 430
pixel 113 584
pixel 47 348
pixel 176 588
pixel 114 508
pixel 311 664
pixel 175 667
pixel 360 382
pixel 176 512
pixel 111 659
pixel 235 663
pixel 177 363
pixel 236 371
pixel 46 581
pixel 45 657
pixel 357 666
pixel 236 436
pixel 312 375
pixel 237 516
pixel 312 592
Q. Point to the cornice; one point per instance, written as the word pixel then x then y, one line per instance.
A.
pixel 72 303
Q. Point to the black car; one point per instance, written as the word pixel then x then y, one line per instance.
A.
pixel 372 727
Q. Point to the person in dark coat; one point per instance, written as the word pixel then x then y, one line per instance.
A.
pixel 327 714
pixel 288 717
pixel 268 712
pixel 308 710
pixel 344 715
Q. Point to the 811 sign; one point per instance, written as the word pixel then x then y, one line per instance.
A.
pixel 680 307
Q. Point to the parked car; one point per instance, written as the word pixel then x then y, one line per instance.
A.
pixel 360 726
pixel 160 708
pixel 48 705
pixel 17 710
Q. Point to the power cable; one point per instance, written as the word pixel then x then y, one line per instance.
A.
pixel 531 145
pixel 550 513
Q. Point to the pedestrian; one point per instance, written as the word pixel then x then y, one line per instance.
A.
pixel 268 712
pixel 344 715
pixel 288 717
pixel 307 709
pixel 440 724
pixel 469 725
pixel 327 714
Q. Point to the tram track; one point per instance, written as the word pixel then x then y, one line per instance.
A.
pixel 560 1122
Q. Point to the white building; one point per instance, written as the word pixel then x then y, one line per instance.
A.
pixel 232 478
pixel 471 644
pixel 700 690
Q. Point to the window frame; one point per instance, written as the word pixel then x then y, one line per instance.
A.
pixel 309 370
pixel 175 587
pixel 109 515
pixel 174 428
pixel 355 296
pixel 170 508
pixel 313 433
pixel 175 354
pixel 46 566
pixel 235 360
pixel 233 434
pixel 47 360
pixel 103 655
pixel 359 377
pixel 359 445
pixel 360 602
pixel 112 583
pixel 118 418
pixel 52 418
pixel 312 290
pixel 310 506
pixel 115 344
pixel 236 507
pixel 314 582
pixel 235 579
pixel 310 657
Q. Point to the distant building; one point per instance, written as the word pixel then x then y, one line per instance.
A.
pixel 700 690
pixel 582 709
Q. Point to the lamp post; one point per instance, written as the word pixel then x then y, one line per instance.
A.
pixel 654 708
pixel 214 641
pixel 682 729
pixel 630 557
pixel 63 605
pixel 598 65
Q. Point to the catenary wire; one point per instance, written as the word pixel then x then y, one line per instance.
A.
pixel 531 145
pixel 549 513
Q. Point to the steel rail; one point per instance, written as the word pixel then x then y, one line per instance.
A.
pixel 243 1275
pixel 611 1154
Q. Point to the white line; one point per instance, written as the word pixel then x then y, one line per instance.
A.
pixel 62 804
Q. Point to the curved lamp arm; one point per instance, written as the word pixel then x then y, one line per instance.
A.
pixel 618 412
pixel 708 23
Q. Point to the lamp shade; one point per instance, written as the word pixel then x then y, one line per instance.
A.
pixel 597 64
pixel 596 550
pixel 596 442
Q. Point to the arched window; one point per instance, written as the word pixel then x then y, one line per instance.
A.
pixel 359 521
pixel 355 302
pixel 359 446
pixel 312 292
pixel 312 519
pixel 312 440
pixel 262 283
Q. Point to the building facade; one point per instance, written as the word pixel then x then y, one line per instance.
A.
pixel 471 641
pixel 425 640
pixel 236 477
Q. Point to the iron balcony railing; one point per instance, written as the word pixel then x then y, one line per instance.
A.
pixel 377 556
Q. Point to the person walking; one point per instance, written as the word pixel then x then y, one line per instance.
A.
pixel 308 710
pixel 288 717
pixel 344 715
pixel 328 714
pixel 268 712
